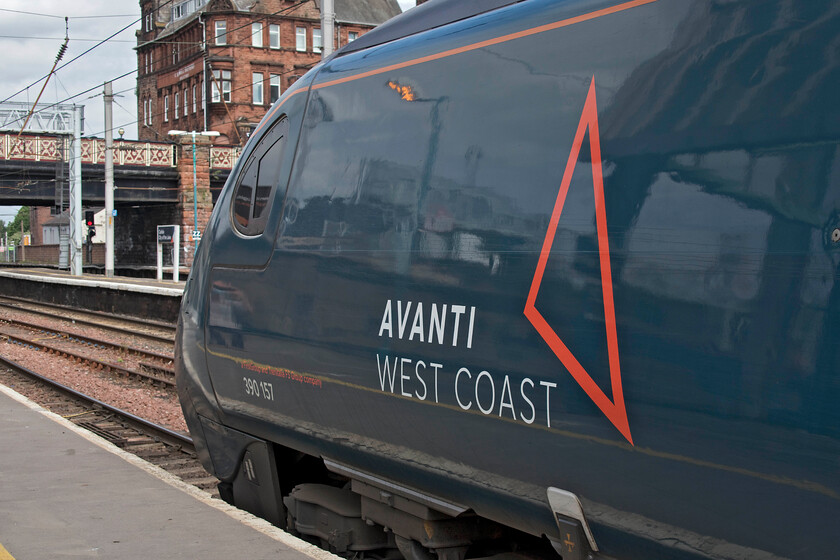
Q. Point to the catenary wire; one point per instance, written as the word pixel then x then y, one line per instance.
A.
pixel 82 54
pixel 279 12
pixel 62 17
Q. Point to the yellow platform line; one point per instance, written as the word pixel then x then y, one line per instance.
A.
pixel 4 554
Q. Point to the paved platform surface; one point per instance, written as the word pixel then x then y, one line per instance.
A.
pixel 65 493
pixel 143 285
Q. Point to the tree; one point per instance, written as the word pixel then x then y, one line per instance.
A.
pixel 14 228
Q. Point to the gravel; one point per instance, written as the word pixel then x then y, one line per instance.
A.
pixel 155 404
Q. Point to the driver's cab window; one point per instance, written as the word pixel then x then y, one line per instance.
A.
pixel 258 180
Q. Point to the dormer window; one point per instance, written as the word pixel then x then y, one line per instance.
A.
pixel 181 10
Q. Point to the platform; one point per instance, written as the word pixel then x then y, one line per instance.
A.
pixel 66 493
pixel 139 297
pixel 140 285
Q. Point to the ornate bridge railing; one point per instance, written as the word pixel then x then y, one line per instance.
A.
pixel 54 148
pixel 224 157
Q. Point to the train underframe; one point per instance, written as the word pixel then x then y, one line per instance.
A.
pixel 358 515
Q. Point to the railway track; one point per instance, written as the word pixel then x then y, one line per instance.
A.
pixel 89 340
pixel 156 331
pixel 168 449
pixel 59 343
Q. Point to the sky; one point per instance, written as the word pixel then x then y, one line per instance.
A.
pixel 31 33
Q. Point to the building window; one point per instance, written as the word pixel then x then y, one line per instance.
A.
pixel 274 87
pixel 352 36
pixel 256 35
pixel 194 101
pixel 274 36
pixel 317 40
pixel 165 108
pixel 186 104
pixel 149 113
pixel 221 79
pixel 257 81
pixel 175 112
pixel 221 32
pixel 180 10
pixel 152 60
pixel 300 39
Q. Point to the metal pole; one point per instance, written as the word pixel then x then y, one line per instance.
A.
pixel 203 68
pixel 109 180
pixel 76 194
pixel 327 24
pixel 176 254
pixel 195 193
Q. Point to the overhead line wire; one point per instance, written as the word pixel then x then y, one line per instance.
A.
pixel 58 57
pixel 223 121
pixel 82 54
pixel 32 37
pixel 137 121
pixel 60 17
pixel 279 12
pixel 82 93
pixel 262 18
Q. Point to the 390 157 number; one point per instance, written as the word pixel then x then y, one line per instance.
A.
pixel 259 389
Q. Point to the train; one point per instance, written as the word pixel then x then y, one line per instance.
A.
pixel 540 278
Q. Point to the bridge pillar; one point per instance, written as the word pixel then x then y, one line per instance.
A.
pixel 193 209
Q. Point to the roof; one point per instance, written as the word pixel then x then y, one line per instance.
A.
pixel 364 12
pixel 62 219
pixel 429 15
pixel 367 12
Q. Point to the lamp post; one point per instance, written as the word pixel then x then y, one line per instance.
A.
pixel 193 134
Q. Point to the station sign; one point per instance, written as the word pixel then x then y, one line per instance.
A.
pixel 169 235
pixel 166 234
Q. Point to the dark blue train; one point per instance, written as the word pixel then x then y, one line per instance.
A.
pixel 541 277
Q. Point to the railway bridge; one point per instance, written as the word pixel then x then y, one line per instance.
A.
pixel 153 184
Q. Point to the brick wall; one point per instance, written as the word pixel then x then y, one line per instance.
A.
pixel 172 75
pixel 37 216
pixel 135 233
pixel 185 213
pixel 49 254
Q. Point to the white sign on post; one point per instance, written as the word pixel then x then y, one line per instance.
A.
pixel 169 235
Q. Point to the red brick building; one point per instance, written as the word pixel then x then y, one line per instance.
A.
pixel 220 64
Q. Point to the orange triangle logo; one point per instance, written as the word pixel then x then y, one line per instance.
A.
pixel 614 409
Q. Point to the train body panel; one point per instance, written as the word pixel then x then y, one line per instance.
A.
pixel 583 245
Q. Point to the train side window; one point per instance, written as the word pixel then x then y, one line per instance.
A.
pixel 242 199
pixel 259 178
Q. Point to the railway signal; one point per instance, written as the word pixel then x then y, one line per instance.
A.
pixel 91 231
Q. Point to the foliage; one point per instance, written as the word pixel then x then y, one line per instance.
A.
pixel 14 227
